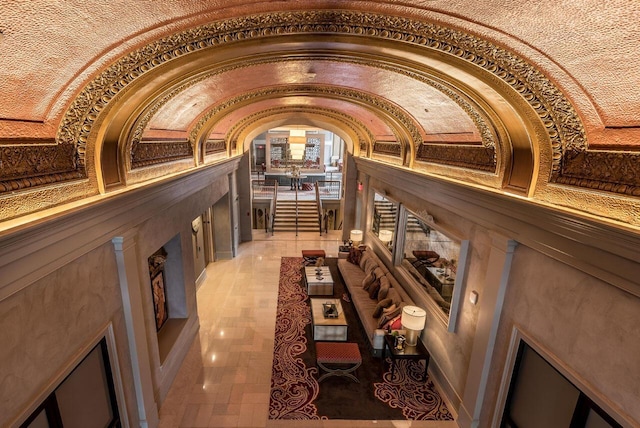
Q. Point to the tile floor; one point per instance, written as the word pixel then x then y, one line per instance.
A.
pixel 225 379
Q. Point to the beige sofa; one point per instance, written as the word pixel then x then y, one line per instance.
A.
pixel 353 276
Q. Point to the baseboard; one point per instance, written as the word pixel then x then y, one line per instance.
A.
pixel 169 369
pixel 446 390
pixel 201 278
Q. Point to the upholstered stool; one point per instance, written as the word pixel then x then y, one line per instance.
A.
pixel 344 355
pixel 310 256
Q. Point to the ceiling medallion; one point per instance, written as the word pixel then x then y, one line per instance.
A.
pixel 563 125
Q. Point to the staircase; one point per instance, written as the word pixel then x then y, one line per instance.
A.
pixel 285 220
pixel 385 218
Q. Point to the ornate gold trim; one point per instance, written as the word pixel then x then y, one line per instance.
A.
pixel 346 120
pixel 564 127
pixel 291 90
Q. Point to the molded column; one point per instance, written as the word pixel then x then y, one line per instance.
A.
pixel 490 301
pixel 129 275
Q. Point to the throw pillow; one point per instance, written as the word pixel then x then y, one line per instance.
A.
pixel 373 289
pixel 368 280
pixel 370 265
pixel 396 323
pixel 386 317
pixel 394 296
pixel 385 285
pixel 365 256
pixel 354 255
pixel 380 306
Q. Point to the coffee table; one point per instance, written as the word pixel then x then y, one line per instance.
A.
pixel 318 285
pixel 328 329
pixel 418 352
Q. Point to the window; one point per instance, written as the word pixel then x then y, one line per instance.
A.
pixel 85 399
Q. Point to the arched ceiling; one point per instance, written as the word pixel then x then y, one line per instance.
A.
pixel 447 89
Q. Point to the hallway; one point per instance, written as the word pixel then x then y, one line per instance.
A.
pixel 225 379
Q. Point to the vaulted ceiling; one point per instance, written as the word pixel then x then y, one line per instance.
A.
pixel 532 99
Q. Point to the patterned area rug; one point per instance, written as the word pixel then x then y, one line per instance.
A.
pixel 295 392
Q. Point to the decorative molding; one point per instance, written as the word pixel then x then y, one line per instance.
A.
pixel 388 148
pixel 214 146
pixel 152 153
pixel 564 127
pixel 346 120
pixel 321 90
pixel 617 172
pixel 25 164
pixel 475 157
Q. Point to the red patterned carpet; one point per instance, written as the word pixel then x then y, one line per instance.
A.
pixel 295 392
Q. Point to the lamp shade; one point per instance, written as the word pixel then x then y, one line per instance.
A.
pixel 356 235
pixel 297 150
pixel 413 317
pixel 385 235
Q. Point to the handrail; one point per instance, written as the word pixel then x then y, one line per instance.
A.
pixel 296 187
pixel 319 205
pixel 273 204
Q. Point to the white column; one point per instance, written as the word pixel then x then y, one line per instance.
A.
pixel 490 302
pixel 130 283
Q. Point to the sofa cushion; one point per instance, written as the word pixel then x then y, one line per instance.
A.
pixel 396 311
pixel 368 280
pixel 385 285
pixel 373 290
pixel 354 255
pixel 363 259
pixel 370 265
pixel 394 296
pixel 385 303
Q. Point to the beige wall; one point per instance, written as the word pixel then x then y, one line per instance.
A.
pixel 589 326
pixel 46 325
pixel 563 285
pixel 43 327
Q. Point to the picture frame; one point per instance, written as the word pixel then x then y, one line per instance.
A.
pixel 158 289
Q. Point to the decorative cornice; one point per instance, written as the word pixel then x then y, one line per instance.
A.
pixel 617 172
pixel 387 148
pixel 563 125
pixel 152 153
pixel 42 162
pixel 214 146
pixel 474 157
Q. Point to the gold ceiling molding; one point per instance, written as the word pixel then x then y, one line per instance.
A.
pixel 29 163
pixel 346 120
pixel 392 111
pixel 157 152
pixel 563 125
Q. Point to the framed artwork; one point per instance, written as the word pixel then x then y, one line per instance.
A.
pixel 159 299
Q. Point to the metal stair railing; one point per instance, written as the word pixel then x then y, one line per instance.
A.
pixel 273 206
pixel 319 205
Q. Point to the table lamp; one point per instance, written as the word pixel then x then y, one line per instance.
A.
pixel 385 236
pixel 356 237
pixel 413 320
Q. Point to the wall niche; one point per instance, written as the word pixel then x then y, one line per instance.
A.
pixel 168 294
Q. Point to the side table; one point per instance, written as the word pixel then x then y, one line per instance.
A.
pixel 343 251
pixel 418 352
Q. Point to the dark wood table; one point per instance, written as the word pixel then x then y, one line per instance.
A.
pixel 418 352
